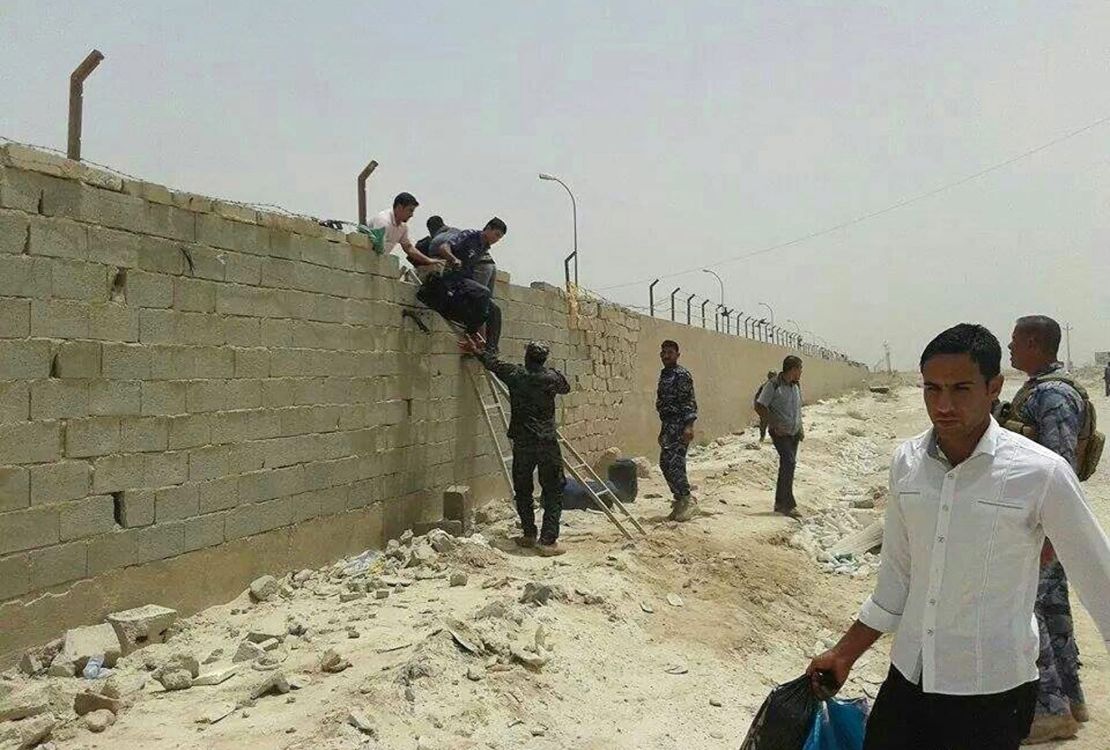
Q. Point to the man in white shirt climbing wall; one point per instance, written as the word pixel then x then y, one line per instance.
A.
pixel 970 506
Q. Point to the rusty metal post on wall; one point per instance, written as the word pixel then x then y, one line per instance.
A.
pixel 688 299
pixel 676 290
pixel 703 304
pixel 362 177
pixel 77 99
pixel 651 297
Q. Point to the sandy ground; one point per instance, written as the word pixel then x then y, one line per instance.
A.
pixel 669 643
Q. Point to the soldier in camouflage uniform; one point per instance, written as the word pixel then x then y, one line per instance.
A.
pixel 678 410
pixel 532 391
pixel 1051 412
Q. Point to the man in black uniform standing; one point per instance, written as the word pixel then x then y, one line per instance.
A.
pixel 678 410
pixel 532 391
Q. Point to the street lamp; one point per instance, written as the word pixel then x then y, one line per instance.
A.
pixel 574 220
pixel 719 309
pixel 720 283
pixel 764 304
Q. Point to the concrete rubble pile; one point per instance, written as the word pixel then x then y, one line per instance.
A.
pixel 844 539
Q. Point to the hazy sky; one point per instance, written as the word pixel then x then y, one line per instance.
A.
pixel 691 133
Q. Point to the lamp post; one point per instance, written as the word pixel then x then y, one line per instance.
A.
pixel 574 221
pixel 720 283
pixel 719 309
pixel 772 318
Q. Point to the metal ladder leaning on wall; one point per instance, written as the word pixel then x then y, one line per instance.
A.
pixel 491 394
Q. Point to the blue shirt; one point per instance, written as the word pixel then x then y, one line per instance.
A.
pixel 1055 409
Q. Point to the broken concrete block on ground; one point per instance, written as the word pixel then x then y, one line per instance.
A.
pixel 19 735
pixel 248 651
pixel 643 467
pixel 422 554
pixel 271 628
pixel 458 578
pixel 263 589
pixel 271 684
pixel 441 541
pixel 217 676
pixel 62 666
pixel 141 626
pixel 31 664
pixel 177 679
pixel 332 662
pixel 424 528
pixel 87 701
pixel 458 504
pixel 186 662
pixel 81 644
pixel 98 721
pixel 605 460
pixel 24 702
pixel 361 722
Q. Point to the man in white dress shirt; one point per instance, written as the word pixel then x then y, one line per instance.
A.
pixel 970 507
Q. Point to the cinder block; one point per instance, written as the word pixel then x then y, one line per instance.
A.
pixel 206 396
pixel 15 576
pixel 136 508
pixel 30 442
pixel 252 363
pixel 458 504
pixel 243 394
pixel 114 248
pixel 208 262
pixel 28 528
pixel 113 322
pixel 24 360
pixel 142 626
pixel 15 401
pixel 15 488
pixel 163 398
pixel 15 318
pixel 72 279
pixel 24 276
pixel 161 256
pixel 126 361
pixel 218 494
pixel 96 436
pixel 243 269
pixel 77 359
pixel 242 331
pixel 204 531
pixel 60 481
pixel 266 485
pixel 165 469
pixel 145 289
pixel 274 333
pixel 157 326
pixel 121 472
pixel 144 434
pixel 190 431
pixel 14 229
pixel 208 463
pixel 19 190
pixel 239 426
pixel 216 231
pixel 60 319
pixel 248 301
pixel 51 399
pixel 200 329
pixel 112 551
pixel 176 503
pixel 160 542
pixel 58 564
pixel 194 295
pixel 88 517
pixel 58 238
pixel 247 520
pixel 115 397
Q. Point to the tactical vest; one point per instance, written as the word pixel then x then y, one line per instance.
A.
pixel 1088 447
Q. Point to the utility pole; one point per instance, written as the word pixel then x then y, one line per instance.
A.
pixel 1067 337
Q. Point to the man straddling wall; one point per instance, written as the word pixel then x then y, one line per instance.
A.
pixel 390 228
pixel 467 255
pixel 780 405
pixel 678 410
pixel 532 430
pixel 970 506
pixel 1049 410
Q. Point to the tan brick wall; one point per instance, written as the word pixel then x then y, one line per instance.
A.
pixel 178 374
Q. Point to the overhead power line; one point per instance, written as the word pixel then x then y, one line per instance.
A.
pixel 873 214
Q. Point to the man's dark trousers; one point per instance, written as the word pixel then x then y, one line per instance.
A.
pixel 906 718
pixel 787 446
pixel 672 457
pixel 529 455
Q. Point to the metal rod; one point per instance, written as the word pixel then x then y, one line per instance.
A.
pixel 676 290
pixel 688 299
pixel 362 177
pixel 703 304
pixel 77 100
pixel 651 296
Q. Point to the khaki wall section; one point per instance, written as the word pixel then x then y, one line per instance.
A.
pixel 194 392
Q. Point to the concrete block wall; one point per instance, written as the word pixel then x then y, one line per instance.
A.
pixel 186 382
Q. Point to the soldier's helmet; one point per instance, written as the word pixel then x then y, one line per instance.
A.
pixel 535 353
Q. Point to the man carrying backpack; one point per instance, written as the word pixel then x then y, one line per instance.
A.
pixel 1052 409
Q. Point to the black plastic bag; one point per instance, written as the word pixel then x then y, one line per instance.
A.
pixel 785 718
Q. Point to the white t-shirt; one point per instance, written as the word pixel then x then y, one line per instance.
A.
pixel 387 233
